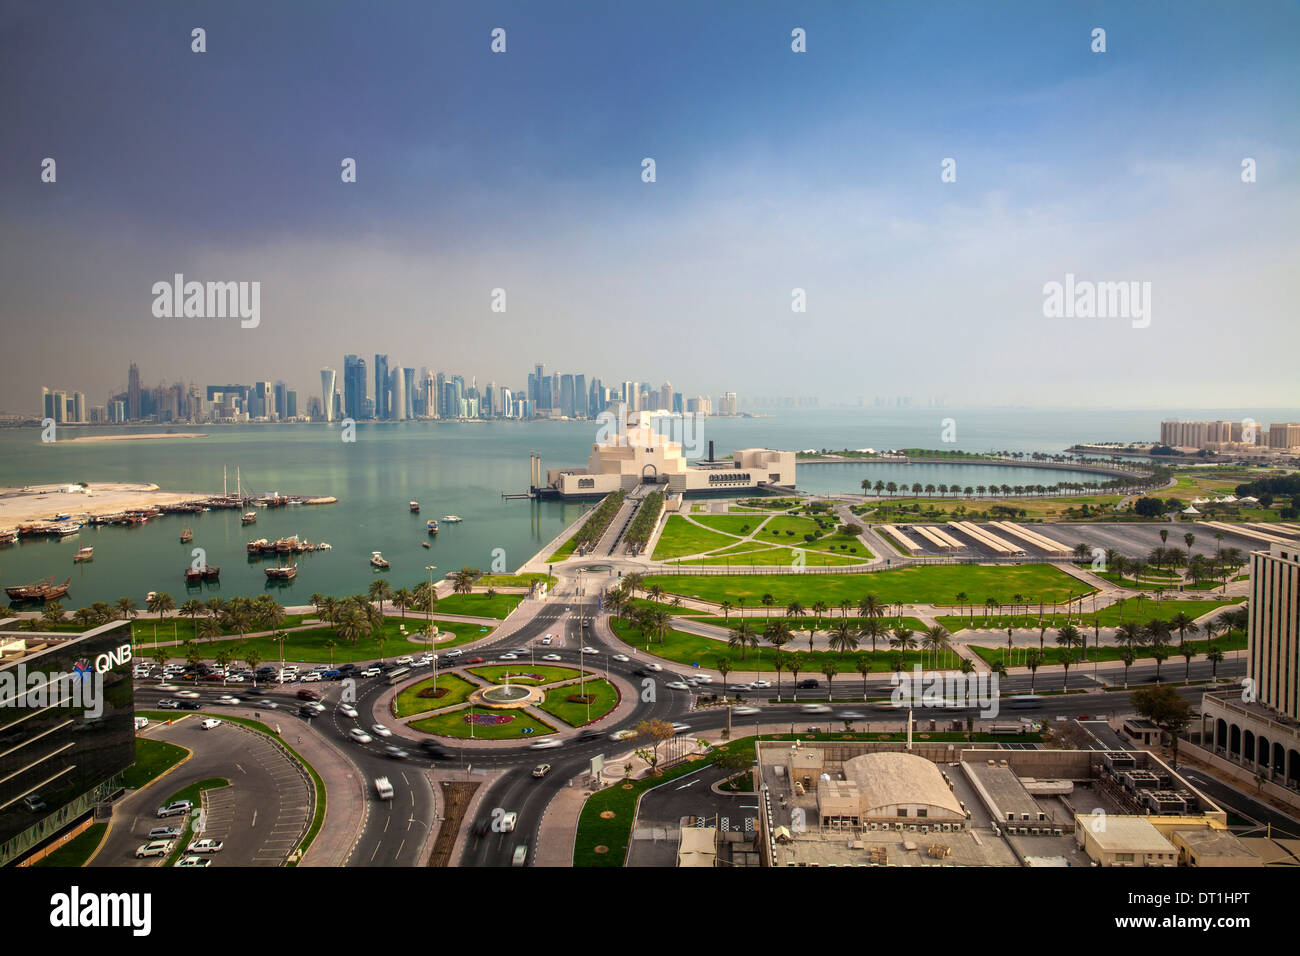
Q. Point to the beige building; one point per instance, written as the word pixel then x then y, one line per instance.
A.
pixel 1273 635
pixel 641 454
pixel 895 788
pixel 1114 840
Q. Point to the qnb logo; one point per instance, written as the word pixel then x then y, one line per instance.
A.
pixel 208 300
pixel 75 909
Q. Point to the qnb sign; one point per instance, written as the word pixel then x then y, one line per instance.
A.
pixel 109 659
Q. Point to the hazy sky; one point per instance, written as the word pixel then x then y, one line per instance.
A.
pixel 775 170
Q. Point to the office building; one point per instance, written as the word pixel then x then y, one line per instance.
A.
pixel 327 381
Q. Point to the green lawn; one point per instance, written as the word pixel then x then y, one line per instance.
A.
pixel 410 702
pixel 1129 609
pixel 453 725
pixel 311 645
pixel 496 673
pixel 565 550
pixel 841 544
pixel 800 625
pixel 738 525
pixel 145 630
pixel 918 585
pixel 478 604
pixel 1236 641
pixel 152 759
pixel 557 704
pixel 515 580
pixel 691 649
pixel 777 558
pixel 680 538
pixel 77 850
pixel 788 529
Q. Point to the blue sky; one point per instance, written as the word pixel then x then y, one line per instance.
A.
pixel 775 170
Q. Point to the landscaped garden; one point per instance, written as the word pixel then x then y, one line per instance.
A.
pixel 581 703
pixel 421 697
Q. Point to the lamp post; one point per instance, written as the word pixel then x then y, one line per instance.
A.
pixel 430 568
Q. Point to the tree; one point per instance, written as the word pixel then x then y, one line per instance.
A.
pixel 1188 653
pixel 830 669
pixel 160 603
pixel 1215 656
pixel 844 637
pixel 379 590
pixel 653 733
pixel 739 637
pixel 404 598
pixel 1166 709
pixel 127 609
pixel 798 662
pixel 862 664
pixel 778 665
pixel 1033 660
pixel 936 640
pixel 1161 654
pixel 1184 625
pixel 723 666
pixel 727 607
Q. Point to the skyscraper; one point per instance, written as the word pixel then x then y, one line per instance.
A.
pixel 354 386
pixel 580 396
pixel 381 386
pixel 408 392
pixel 566 395
pixel 133 392
pixel 327 380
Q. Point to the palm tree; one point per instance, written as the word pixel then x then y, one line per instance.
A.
pixel 726 607
pixel 1188 653
pixel 778 665
pixel 845 605
pixel 874 629
pixel 207 628
pixel 830 669
pixel 1161 653
pixel 778 633
pixel 380 590
pixel 160 604
pixel 796 610
pixel 403 598
pixel 127 609
pixel 462 581
pixel 1215 656
pixel 722 664
pixel 1067 637
pixel 862 664
pixel 844 637
pixel 767 601
pixel 870 607
pixel 1066 662
pixel 1033 660
pixel 85 618
pixel 936 639
pixel 962 598
pixel 1184 624
pixel 902 639
pixel 351 626
pixel 192 609
pixel 1128 656
pixel 739 637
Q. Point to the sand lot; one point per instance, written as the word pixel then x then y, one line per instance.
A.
pixel 43 502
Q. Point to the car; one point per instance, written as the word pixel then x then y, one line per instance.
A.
pixel 268 704
pixel 360 736
pixel 164 833
pixel 193 861
pixel 475 660
pixel 316 707
pixel 311 677
pixel 739 688
pixel 434 749
pixel 760 684
pixel 745 711
pixel 379 730
pixel 308 712
pixel 508 821
pixel 332 674
pixel 205 846
pixel 33 803
pixel 815 709
pixel 371 672
pixel 153 848
pixel 590 650
pixel 189 704
pixel 677 685
pixel 210 724
pixel 541 770
pixel 655 667
pixel 852 715
pixel 404 660
pixel 591 734
pixel 454 652
pixel 235 679
pixel 306 694
pixel 168 704
pixel 681 728
pixel 422 662
pixel 623 734
pixel 547 743
pixel 176 808
pixel 520 856
pixel 808 684
pixel 167 687
pixel 188 694
pixel 548 639
pixel 701 678
pixel 622 657
pixel 347 710
pixel 508 657
pixel 227 700
pixel 395 753
pixel 252 692
pixel 481 828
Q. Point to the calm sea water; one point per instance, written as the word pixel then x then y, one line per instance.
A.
pixel 449 468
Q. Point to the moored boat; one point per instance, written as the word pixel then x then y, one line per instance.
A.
pixel 452 519
pixel 187 536
pixel 432 526
pixel 284 573
pixel 377 560
pixel 85 554
pixel 43 590
pixel 209 572
pixel 415 507
pixel 248 517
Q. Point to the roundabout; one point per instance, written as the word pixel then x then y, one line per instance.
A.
pixel 507 696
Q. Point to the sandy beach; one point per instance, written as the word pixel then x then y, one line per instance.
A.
pixel 150 435
pixel 43 502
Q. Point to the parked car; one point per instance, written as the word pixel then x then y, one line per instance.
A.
pixel 153 848
pixel 455 652
pixel 189 704
pixel 194 861
pixel 210 723
pixel 177 808
pixel 168 704
pixel 371 672
pixel 311 677
pixel 405 660
pixel 33 803
pixel 205 846
pixel 164 833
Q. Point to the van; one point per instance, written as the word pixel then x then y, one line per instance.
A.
pixel 141 723
pixel 384 788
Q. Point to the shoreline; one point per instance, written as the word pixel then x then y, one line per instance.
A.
pixel 145 437
pixel 38 503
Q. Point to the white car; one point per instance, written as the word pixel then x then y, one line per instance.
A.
pixel 621 657
pixel 508 657
pixel 404 660
pixel 815 709
pixel 508 821
pixel 205 846
pixel 360 736
pixel 552 657
pixel 187 694
pixel 167 687
pixel 210 724
pixel 422 662
pixel 701 678
pixel 590 650
pixel 347 710
pixel 548 639
pixel 371 672
pixel 681 728
pixel 379 730
pixel 310 677
pixel 654 667
pixel 744 711
pixel 548 744
pixel 316 706
pixel 154 848
pixel 678 685
pixel 454 652
pixel 235 679
pixel 228 700
pixel 763 684
pixel 194 861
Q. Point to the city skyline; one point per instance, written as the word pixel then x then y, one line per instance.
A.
pixel 778 175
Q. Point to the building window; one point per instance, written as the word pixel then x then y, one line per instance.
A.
pixel 922 813
pixel 903 812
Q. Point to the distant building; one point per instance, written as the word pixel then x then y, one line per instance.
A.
pixel 327 379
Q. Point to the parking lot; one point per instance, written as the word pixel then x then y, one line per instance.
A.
pixel 260 817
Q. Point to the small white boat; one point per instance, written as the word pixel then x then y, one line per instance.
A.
pixel 415 507
pixel 377 560
pixel 452 518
